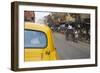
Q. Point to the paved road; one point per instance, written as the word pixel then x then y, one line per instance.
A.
pixel 69 49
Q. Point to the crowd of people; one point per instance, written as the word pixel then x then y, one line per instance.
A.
pixel 74 32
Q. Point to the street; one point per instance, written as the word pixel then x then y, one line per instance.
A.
pixel 69 49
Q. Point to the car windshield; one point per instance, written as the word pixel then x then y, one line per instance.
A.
pixel 34 39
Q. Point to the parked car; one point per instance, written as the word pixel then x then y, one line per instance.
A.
pixel 38 43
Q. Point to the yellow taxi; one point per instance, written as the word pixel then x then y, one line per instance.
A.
pixel 38 43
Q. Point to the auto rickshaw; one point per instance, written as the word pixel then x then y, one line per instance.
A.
pixel 38 43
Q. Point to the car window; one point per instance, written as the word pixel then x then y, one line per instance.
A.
pixel 34 39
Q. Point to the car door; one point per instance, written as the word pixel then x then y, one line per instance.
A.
pixel 35 45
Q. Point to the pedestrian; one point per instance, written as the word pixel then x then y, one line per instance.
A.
pixel 69 32
pixel 76 36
